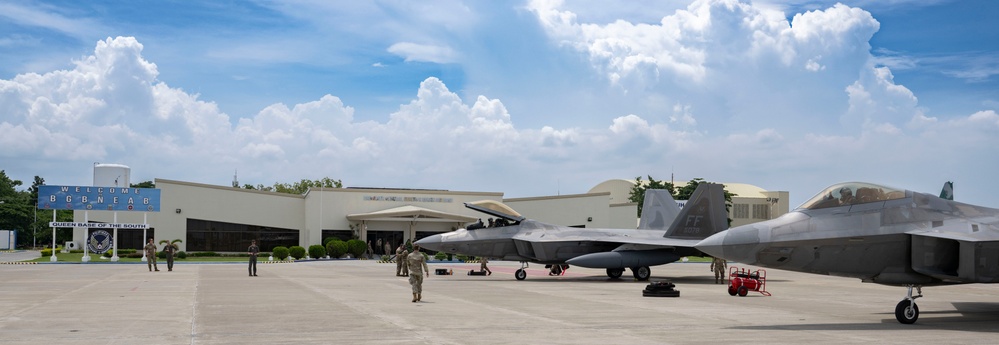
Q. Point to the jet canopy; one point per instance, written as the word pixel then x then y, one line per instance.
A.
pixel 851 193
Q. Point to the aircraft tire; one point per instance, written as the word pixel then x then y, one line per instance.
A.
pixel 906 315
pixel 641 273
pixel 615 273
pixel 521 274
pixel 743 291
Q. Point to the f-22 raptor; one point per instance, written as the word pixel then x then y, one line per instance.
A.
pixel 875 233
pixel 653 243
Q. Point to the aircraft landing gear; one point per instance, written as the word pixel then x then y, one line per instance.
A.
pixel 521 274
pixel 642 272
pixel 615 273
pixel 906 311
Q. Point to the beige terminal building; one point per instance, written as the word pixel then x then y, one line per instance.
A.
pixel 225 219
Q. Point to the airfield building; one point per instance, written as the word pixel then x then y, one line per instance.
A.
pixel 224 219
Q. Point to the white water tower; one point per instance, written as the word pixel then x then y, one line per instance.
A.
pixel 112 175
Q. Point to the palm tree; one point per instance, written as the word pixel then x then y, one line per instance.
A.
pixel 172 243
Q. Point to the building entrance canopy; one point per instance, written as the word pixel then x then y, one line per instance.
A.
pixel 412 214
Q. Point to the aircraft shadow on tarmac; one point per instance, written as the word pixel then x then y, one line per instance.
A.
pixel 685 280
pixel 969 317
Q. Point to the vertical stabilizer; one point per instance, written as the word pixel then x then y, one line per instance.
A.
pixel 948 191
pixel 703 215
pixel 658 210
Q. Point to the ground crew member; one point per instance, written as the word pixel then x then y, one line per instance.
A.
pixel 482 265
pixel 718 265
pixel 169 249
pixel 253 250
pixel 150 249
pixel 401 269
pixel 417 266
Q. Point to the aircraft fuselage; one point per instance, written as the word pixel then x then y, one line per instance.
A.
pixel 873 241
pixel 531 241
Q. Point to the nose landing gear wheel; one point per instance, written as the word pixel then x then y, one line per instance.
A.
pixel 615 273
pixel 521 274
pixel 641 273
pixel 906 312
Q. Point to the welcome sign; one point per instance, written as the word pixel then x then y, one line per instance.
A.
pixel 98 198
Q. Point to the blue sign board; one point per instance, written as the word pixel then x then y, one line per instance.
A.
pixel 98 198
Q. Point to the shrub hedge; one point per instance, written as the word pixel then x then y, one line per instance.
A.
pixel 356 247
pixel 281 252
pixel 296 252
pixel 336 248
pixel 317 251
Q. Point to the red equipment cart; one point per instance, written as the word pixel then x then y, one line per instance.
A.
pixel 741 281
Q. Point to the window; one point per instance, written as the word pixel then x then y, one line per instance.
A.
pixel 852 193
pixel 206 235
pixel 343 235
pixel 740 211
pixel 761 211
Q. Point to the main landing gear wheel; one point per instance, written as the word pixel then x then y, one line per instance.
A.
pixel 521 274
pixel 906 311
pixel 615 273
pixel 641 273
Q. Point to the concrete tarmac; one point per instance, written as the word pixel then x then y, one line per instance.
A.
pixel 363 302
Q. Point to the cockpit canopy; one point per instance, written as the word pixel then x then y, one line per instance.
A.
pixel 851 193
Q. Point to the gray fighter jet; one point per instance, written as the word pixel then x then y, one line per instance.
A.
pixel 525 240
pixel 877 234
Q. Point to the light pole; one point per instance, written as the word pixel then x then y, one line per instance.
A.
pixel 34 227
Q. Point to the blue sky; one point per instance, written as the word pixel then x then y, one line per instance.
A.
pixel 528 98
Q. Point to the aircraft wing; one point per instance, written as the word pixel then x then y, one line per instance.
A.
pixel 961 231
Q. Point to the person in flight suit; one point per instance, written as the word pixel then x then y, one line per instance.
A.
pixel 417 266
pixel 253 250
pixel 169 249
pixel 150 249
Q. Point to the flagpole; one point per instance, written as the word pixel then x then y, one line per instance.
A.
pixel 53 259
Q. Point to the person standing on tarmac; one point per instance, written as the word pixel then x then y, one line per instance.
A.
pixel 169 249
pixel 417 266
pixel 253 250
pixel 401 269
pixel 150 249
pixel 718 265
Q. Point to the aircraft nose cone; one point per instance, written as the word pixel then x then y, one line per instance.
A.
pixel 432 242
pixel 713 245
pixel 739 244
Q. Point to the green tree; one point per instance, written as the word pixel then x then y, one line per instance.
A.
pixel 304 185
pixel 638 190
pixel 16 211
pixel 144 184
pixel 683 192
pixel 38 223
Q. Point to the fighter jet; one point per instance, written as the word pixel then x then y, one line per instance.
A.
pixel 526 240
pixel 875 233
